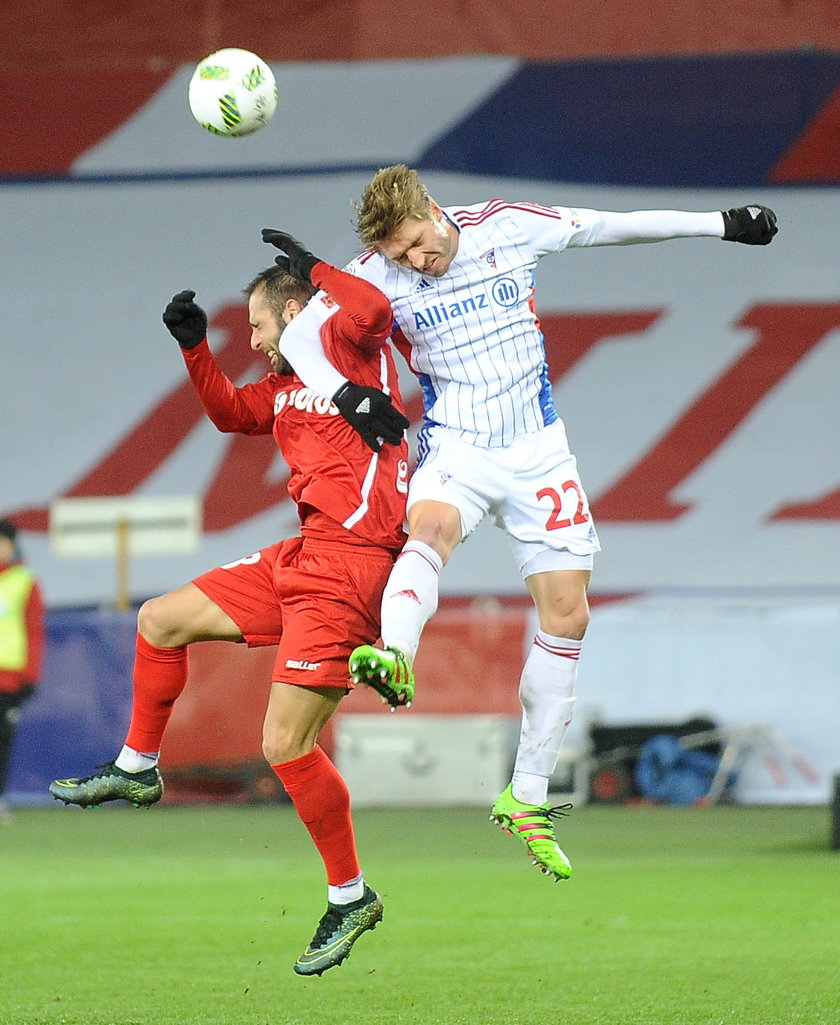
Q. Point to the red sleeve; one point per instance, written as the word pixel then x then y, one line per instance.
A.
pixel 246 410
pixel 34 617
pixel 365 312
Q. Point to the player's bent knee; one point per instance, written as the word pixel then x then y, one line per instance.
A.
pixel 579 622
pixel 147 621
pixel 283 747
pixel 157 625
pixel 436 524
pixel 571 623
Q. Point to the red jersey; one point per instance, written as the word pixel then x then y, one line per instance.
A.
pixel 337 482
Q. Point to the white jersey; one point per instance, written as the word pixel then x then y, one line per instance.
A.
pixel 475 340
pixel 476 343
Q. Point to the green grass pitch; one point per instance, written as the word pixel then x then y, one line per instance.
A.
pixel 194 916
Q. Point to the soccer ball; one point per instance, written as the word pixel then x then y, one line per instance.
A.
pixel 232 92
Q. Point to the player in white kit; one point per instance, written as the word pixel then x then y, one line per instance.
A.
pixel 461 284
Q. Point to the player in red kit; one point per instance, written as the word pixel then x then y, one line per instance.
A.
pixel 315 596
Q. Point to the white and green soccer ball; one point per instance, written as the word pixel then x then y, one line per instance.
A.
pixel 233 92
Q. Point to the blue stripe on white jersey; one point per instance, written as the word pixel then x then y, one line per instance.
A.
pixel 547 398
pixel 422 444
pixel 427 390
pixel 475 340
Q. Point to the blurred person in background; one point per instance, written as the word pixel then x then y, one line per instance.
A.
pixel 315 596
pixel 462 282
pixel 21 645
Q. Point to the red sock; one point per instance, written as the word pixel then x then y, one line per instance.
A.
pixel 160 674
pixel 322 801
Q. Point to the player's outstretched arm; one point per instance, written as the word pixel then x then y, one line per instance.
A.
pixel 294 258
pixel 752 225
pixel 185 320
pixel 362 303
pixel 223 402
pixel 367 317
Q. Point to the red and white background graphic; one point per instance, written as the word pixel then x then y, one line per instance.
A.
pixel 697 379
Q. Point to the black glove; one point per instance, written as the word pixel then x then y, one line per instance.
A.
pixel 298 261
pixel 753 225
pixel 185 320
pixel 370 412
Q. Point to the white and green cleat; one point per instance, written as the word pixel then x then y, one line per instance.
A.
pixel 385 670
pixel 532 824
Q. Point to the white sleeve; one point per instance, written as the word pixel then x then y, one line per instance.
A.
pixel 301 344
pixel 621 229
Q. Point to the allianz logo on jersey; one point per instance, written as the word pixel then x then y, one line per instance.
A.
pixel 505 292
pixel 305 400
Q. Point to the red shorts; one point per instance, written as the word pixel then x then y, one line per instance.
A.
pixel 316 600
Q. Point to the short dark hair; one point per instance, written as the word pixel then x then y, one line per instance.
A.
pixel 9 530
pixel 279 287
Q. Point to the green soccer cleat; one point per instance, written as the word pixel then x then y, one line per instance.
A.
pixel 532 824
pixel 387 671
pixel 110 784
pixel 338 930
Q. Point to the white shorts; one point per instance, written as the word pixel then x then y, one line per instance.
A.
pixel 531 488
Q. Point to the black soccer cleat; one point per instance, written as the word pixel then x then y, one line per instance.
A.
pixel 110 784
pixel 338 930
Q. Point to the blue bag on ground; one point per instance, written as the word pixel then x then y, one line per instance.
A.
pixel 667 772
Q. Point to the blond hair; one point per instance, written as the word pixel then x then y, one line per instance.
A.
pixel 395 194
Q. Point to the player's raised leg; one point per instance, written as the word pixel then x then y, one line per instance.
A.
pixel 385 670
pixel 410 599
pixel 166 625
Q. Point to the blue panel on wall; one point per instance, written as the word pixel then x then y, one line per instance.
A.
pixel 673 122
pixel 81 712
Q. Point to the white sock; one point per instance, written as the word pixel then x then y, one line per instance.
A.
pixel 411 597
pixel 547 695
pixel 346 893
pixel 130 760
pixel 529 788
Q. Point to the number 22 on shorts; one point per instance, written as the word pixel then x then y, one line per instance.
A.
pixel 556 521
